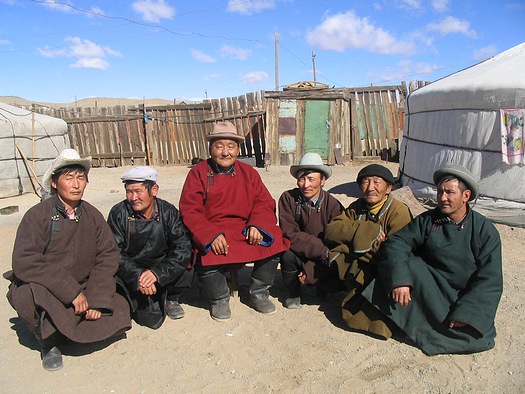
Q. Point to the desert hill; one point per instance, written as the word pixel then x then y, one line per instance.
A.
pixel 86 102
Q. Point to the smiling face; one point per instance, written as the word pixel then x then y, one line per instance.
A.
pixel 452 197
pixel 310 184
pixel 374 189
pixel 141 199
pixel 70 185
pixel 224 153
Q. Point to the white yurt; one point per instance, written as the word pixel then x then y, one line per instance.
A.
pixel 29 143
pixel 474 118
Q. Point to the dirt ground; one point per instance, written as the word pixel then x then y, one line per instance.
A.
pixel 298 351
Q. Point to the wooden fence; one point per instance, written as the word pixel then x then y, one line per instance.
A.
pixel 371 118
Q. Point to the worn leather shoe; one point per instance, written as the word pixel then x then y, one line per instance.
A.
pixel 220 310
pixel 174 310
pixel 292 303
pixel 263 305
pixel 51 358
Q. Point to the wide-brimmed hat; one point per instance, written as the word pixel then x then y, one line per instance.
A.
pixel 140 174
pixel 376 170
pixel 462 174
pixel 224 130
pixel 311 161
pixel 67 157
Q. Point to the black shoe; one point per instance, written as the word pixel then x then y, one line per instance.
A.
pixel 220 310
pixel 292 303
pixel 51 359
pixel 262 304
pixel 174 310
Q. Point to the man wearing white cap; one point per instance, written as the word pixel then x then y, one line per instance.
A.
pixel 440 278
pixel 155 250
pixel 64 261
pixel 304 213
pixel 231 218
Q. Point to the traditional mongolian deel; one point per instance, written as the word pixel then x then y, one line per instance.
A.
pixel 304 224
pixel 454 271
pixel 213 203
pixel 356 232
pixel 54 259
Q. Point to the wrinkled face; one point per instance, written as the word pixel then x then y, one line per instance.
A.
pixel 452 201
pixel 310 184
pixel 70 187
pixel 224 153
pixel 140 198
pixel 374 189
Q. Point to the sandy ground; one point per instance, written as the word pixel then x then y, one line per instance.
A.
pixel 301 351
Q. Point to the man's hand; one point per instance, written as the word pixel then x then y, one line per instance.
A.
pixel 401 295
pixel 93 314
pixel 254 236
pixel 219 245
pixel 382 237
pixel 456 324
pixel 80 303
pixel 147 283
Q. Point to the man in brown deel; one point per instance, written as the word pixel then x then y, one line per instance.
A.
pixel 356 236
pixel 64 261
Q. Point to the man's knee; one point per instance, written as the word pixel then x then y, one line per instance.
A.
pixel 290 261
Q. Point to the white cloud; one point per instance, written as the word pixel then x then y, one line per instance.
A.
pixel 201 56
pixel 254 77
pixel 404 69
pixel 485 52
pixel 57 7
pixel 347 30
pixel 409 4
pixel 86 62
pixel 440 5
pixel 451 25
pixel 5 42
pixel 250 7
pixel 153 10
pixel 236 53
pixel 96 10
pixel 87 53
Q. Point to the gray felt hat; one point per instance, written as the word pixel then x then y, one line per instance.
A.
pixel 224 130
pixel 67 157
pixel 311 161
pixel 461 173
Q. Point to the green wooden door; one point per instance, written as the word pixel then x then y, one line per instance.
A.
pixel 316 127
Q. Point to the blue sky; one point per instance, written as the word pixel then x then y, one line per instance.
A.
pixel 59 51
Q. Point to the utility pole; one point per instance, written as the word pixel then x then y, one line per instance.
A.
pixel 276 61
pixel 33 133
pixel 313 63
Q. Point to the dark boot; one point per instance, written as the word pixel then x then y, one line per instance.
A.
pixel 173 308
pixel 263 274
pixel 218 293
pixel 51 355
pixel 293 289
pixel 51 358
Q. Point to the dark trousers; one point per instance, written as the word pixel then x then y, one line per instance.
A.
pixel 327 277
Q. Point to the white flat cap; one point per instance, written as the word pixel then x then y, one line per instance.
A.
pixel 140 174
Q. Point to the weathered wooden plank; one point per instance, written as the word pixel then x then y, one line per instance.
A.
pixel 380 121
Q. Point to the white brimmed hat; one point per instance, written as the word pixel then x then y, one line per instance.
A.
pixel 311 161
pixel 67 157
pixel 461 173
pixel 140 174
pixel 224 130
